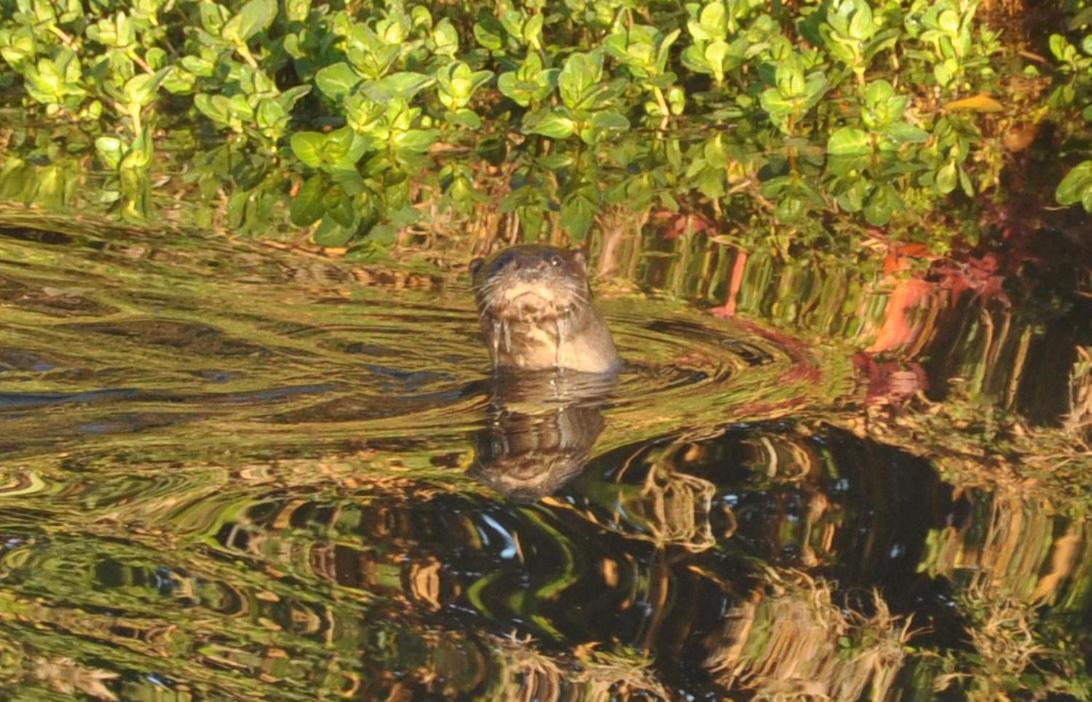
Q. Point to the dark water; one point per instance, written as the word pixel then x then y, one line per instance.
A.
pixel 230 471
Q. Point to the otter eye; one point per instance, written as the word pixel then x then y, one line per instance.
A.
pixel 555 260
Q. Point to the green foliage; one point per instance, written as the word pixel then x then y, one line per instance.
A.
pixel 345 116
pixel 1072 97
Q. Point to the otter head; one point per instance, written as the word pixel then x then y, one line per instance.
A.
pixel 531 284
pixel 536 311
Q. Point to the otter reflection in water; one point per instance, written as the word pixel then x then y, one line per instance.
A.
pixel 540 430
pixel 554 366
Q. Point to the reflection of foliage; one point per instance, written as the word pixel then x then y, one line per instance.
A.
pixel 1079 419
pixel 976 445
pixel 665 506
pixel 354 121
pixel 797 644
pixel 532 676
pixel 1010 658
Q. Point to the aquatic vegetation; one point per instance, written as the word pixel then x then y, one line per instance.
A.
pixel 362 121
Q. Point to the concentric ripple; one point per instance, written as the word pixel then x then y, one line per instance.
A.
pixel 192 345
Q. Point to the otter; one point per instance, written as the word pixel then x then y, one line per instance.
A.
pixel 536 311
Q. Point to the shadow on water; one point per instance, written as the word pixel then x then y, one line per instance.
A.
pixel 236 472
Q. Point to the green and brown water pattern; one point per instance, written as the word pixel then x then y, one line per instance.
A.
pixel 230 471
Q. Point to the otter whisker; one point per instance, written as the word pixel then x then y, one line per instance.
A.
pixel 560 340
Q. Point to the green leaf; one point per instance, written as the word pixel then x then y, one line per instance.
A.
pixel 342 148
pixel 532 30
pixel 947 178
pixel 140 89
pixel 213 16
pixel 405 216
pixel 577 214
pixel 790 209
pixel 713 21
pixel 307 206
pixel 466 118
pixel 609 119
pixel 714 55
pixel 550 124
pixel 110 150
pixel 297 10
pixel 789 77
pixel 579 78
pixel 339 206
pixel 307 146
pixel 945 71
pixel 330 233
pixel 403 85
pixel 904 133
pixel 949 21
pixel 710 182
pixel 1076 186
pixel 965 182
pixel 140 152
pixel 849 141
pixel 199 66
pixel 215 107
pixel 270 116
pixel 487 38
pixel 255 16
pixel 291 96
pixel 852 198
pixel 882 205
pixel 445 39
pixel 384 234
pixel 415 140
pixel 861 26
pixel 336 80
pixel 714 153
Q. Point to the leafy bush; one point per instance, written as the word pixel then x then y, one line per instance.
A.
pixel 1074 95
pixel 353 115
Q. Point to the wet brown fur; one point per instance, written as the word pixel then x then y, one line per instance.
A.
pixel 536 311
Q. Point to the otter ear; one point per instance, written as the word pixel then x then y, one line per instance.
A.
pixel 476 264
pixel 580 260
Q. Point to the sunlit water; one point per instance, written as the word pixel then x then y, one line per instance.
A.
pixel 231 471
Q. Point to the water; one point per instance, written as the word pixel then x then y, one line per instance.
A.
pixel 238 471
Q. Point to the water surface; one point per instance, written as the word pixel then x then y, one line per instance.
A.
pixel 238 471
